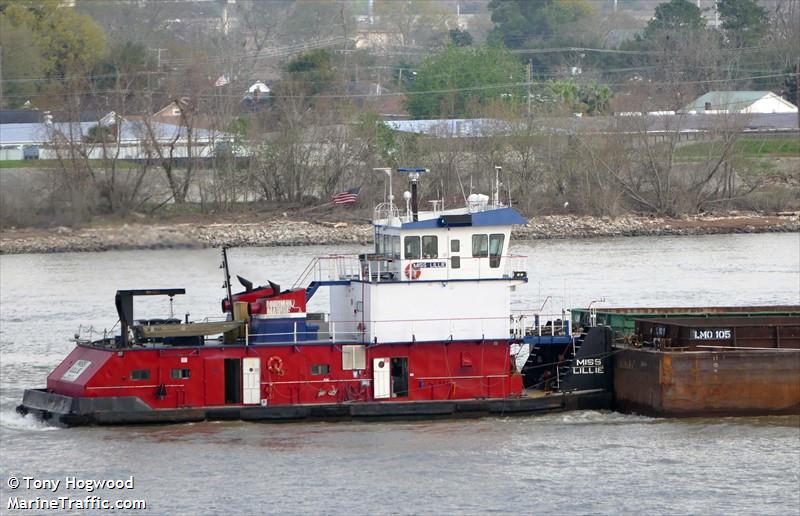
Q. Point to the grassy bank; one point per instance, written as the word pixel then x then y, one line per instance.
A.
pixel 28 163
pixel 788 146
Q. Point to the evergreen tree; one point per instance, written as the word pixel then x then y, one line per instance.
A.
pixel 312 71
pixel 457 79
pixel 526 23
pixel 744 21
pixel 23 65
pixel 460 38
pixel 675 16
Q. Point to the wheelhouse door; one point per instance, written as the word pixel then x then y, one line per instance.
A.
pixel 399 373
pixel 251 380
pixel 233 381
pixel 381 378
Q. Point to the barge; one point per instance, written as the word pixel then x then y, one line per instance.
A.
pixel 421 326
pixel 704 361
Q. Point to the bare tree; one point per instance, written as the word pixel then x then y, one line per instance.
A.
pixel 643 159
pixel 93 158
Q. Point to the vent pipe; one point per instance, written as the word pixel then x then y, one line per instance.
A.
pixel 413 180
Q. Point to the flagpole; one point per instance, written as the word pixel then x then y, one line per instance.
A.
pixel 316 207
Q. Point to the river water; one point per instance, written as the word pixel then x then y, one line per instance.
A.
pixel 580 462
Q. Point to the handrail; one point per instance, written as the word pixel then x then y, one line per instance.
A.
pixel 329 268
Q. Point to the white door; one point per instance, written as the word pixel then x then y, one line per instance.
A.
pixel 251 381
pixel 381 378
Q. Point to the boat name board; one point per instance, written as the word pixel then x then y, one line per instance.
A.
pixel 429 265
pixel 588 366
pixel 710 334
pixel 280 306
pixel 76 370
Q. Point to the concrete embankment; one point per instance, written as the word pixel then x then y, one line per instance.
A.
pixel 286 232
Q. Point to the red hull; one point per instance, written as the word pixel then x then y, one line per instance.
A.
pixel 436 371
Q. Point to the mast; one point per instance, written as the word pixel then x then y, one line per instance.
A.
pixel 227 273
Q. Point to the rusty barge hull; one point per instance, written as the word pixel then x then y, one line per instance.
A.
pixel 707 383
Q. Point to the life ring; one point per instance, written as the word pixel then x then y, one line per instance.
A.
pixel 275 365
pixel 412 272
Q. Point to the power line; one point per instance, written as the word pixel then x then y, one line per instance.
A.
pixel 429 92
pixel 601 71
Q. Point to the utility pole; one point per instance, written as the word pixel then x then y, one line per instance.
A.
pixel 1 77
pixel 530 81
pixel 158 64
pixel 158 58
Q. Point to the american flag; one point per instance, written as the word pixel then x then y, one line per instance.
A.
pixel 347 197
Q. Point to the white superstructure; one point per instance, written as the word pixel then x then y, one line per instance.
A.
pixel 433 276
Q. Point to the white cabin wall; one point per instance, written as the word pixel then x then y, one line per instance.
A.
pixel 400 312
pixel 342 320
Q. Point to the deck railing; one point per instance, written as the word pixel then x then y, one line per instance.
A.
pixel 377 331
pixel 527 323
pixel 329 268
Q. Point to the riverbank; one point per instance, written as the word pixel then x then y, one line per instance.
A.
pixel 284 231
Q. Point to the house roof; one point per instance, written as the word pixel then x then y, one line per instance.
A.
pixel 682 122
pixel 737 100
pixel 130 131
pixel 453 127
pixel 20 116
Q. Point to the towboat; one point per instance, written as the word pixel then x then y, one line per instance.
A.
pixel 421 326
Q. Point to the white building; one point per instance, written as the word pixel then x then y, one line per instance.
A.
pixel 739 102
pixel 131 139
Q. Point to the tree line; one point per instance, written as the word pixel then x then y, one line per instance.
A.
pixel 320 130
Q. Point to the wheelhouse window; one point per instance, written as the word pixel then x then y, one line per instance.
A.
pixel 320 369
pixel 411 248
pixel 430 247
pixel 180 374
pixel 140 374
pixel 496 249
pixel 480 246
